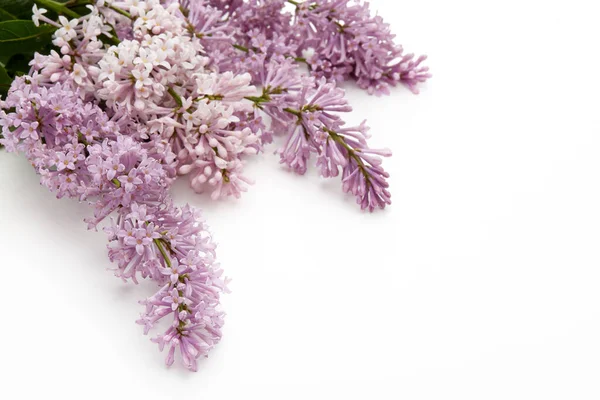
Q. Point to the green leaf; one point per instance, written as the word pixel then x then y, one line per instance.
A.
pixel 5 81
pixel 18 64
pixel 21 9
pixel 19 36
pixel 5 15
pixel 18 8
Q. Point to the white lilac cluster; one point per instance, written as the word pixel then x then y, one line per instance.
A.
pixel 159 76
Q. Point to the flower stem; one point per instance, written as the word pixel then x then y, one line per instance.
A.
pixel 57 8
pixel 119 11
pixel 158 244
pixel 294 112
pixel 111 39
pixel 242 48
pixel 175 96
pixel 299 3
pixel 351 154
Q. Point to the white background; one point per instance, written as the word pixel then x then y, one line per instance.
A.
pixel 480 282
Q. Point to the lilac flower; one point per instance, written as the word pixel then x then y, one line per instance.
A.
pixel 190 291
pixel 37 14
pixel 137 92
pixel 349 43
pixel 118 175
pixel 337 39
pixel 410 71
pixel 339 147
pixel 310 110
pixel 266 17
pixel 29 130
pixel 226 5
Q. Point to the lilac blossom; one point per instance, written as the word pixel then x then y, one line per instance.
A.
pixel 350 43
pixel 310 111
pixel 81 152
pixel 136 93
pixel 337 39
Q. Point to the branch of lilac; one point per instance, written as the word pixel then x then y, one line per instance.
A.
pixel 138 92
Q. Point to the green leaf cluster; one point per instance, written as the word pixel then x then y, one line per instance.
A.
pixel 19 40
pixel 18 9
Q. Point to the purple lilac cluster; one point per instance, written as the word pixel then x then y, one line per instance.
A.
pixel 262 39
pixel 336 39
pixel 136 93
pixel 111 162
pixel 308 110
pixel 349 43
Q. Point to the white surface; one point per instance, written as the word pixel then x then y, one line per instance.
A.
pixel 480 282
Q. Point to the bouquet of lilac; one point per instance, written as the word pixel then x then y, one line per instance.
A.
pixel 121 97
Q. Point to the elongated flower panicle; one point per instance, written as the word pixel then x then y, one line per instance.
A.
pixel 309 109
pixel 349 43
pixel 135 93
pixel 82 153
pixel 336 39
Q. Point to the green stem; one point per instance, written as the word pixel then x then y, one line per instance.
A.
pixel 351 154
pixel 210 97
pixel 256 100
pixel 158 244
pixel 58 8
pixel 292 111
pixel 118 10
pixel 225 175
pixel 175 96
pixel 82 140
pixel 299 3
pixel 111 39
pixel 242 48
pixel 77 3
pixel 340 140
